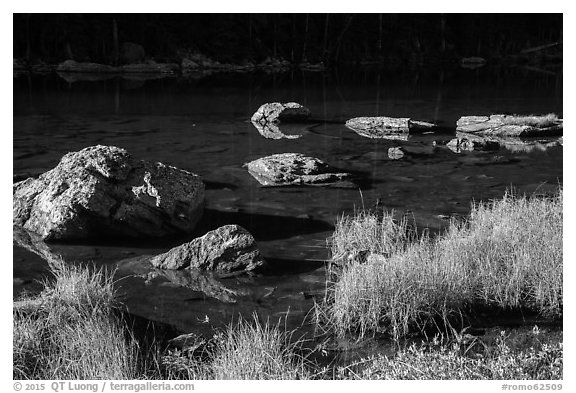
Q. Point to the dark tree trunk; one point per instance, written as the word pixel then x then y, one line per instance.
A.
pixel 115 41
pixel 325 45
pixel 304 58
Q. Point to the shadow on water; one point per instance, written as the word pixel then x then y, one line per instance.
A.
pixel 262 226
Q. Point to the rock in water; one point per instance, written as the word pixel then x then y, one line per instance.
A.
pixel 102 191
pixel 387 127
pixel 511 125
pixel 276 112
pixel 470 142
pixel 225 249
pixel 294 169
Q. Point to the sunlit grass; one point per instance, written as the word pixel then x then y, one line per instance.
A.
pixel 71 331
pixel 247 351
pixel 548 120
pixel 507 255
pixel 442 361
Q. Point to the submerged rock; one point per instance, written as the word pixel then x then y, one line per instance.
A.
pixel 470 142
pixel 276 112
pixel 103 191
pixel 396 153
pixel 294 169
pixel 472 62
pixel 225 249
pixel 511 125
pixel 387 127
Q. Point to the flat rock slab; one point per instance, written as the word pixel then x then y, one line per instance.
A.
pixel 103 191
pixel 382 127
pixel 276 112
pixel 226 249
pixel 511 125
pixel 295 169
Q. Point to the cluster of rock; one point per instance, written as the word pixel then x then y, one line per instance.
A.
pixel 512 132
pixel 101 191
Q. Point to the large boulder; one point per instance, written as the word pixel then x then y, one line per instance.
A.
pixel 103 191
pixel 294 169
pixel 276 112
pixel 225 249
pixel 511 125
pixel 382 127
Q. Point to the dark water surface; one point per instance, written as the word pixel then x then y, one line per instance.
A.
pixel 201 125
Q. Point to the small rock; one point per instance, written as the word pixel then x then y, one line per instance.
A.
pixel 276 112
pixel 189 342
pixel 472 62
pixel 225 249
pixel 395 153
pixel 294 169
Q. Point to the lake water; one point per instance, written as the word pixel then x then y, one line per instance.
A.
pixel 201 125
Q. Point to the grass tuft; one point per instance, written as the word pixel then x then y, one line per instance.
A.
pixel 441 361
pixel 507 255
pixel 70 330
pixel 548 120
pixel 247 351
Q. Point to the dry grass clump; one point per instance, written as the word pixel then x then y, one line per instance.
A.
pixel 549 120
pixel 70 331
pixel 508 255
pixel 247 351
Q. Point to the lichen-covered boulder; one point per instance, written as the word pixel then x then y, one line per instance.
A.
pixel 103 191
pixel 294 169
pixel 225 249
pixel 276 112
pixel 511 125
pixel 382 127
